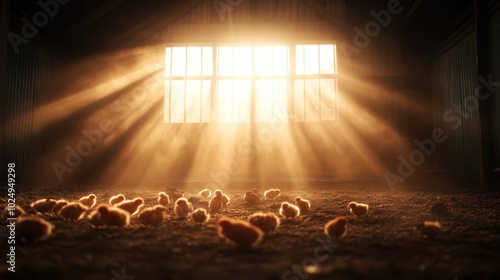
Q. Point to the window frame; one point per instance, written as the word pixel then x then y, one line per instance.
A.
pixel 291 77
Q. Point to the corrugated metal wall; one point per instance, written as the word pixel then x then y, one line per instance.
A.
pixel 494 47
pixel 453 80
pixel 26 73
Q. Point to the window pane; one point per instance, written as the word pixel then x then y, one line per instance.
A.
pixel 166 115
pixel 194 61
pixel 207 61
pixel 328 106
pixel 225 62
pixel 193 101
pixel 299 60
pixel 178 61
pixel 224 100
pixel 177 102
pixel 327 60
pixel 263 100
pixel 241 101
pixel 311 59
pixel 168 61
pixel 312 100
pixel 280 101
pixel 280 61
pixel 206 101
pixel 242 61
pixel 298 99
pixel 263 55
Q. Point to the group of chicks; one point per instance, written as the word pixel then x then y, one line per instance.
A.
pixel 119 210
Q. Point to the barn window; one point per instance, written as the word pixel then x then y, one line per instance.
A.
pixel 238 84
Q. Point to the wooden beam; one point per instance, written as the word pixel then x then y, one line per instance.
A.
pixel 483 71
pixel 4 29
pixel 96 13
pixel 345 29
pixel 414 8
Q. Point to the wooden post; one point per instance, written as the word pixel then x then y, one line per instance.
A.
pixel 4 29
pixel 482 61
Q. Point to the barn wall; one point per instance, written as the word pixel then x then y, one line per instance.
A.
pixel 494 41
pixel 27 72
pixel 454 80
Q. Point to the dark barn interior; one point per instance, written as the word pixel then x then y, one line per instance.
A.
pixel 392 103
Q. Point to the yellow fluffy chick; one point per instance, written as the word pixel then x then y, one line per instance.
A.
pixel 200 215
pixel 95 219
pixel 241 233
pixel 33 229
pixel 131 206
pixel 336 228
pixel 272 193
pixel 116 199
pixel 303 204
pixel 152 216
pixel 268 222
pixel 72 211
pixel 288 210
pixel 251 197
pixel 59 205
pixel 358 209
pixel 174 193
pixel 205 193
pixel 16 212
pixel 430 229
pixel 112 216
pixel 44 206
pixel 89 200
pixel 183 208
pixel 216 202
pixel 163 199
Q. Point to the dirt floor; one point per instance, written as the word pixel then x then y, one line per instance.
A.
pixel 383 245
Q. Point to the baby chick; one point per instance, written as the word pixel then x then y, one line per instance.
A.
pixel 59 205
pixel 95 219
pixel 358 209
pixel 183 208
pixel 152 216
pixel 288 210
pixel 113 216
pixel 193 199
pixel 174 193
pixel 73 211
pixel 43 206
pixel 205 193
pixel 89 200
pixel 241 233
pixel 303 204
pixel 33 229
pixel 336 228
pixel 272 193
pixel 200 215
pixel 116 199
pixel 16 212
pixel 216 202
pixel 251 197
pixel 163 199
pixel 131 206
pixel 430 229
pixel 268 222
